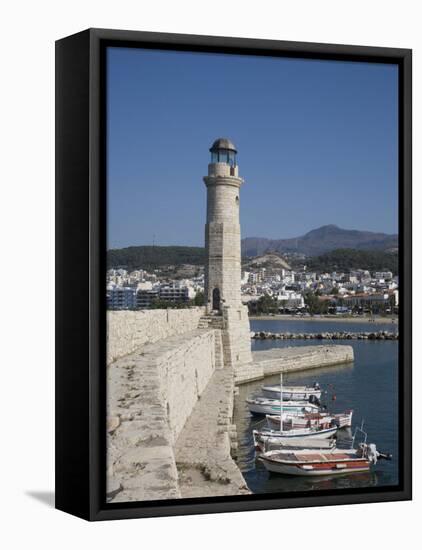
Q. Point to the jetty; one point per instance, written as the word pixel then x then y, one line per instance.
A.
pixel 171 387
pixel 293 359
pixel 338 335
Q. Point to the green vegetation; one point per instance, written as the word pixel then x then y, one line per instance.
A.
pixel 167 304
pixel 153 257
pixel 265 305
pixel 346 259
pixel 199 299
pixel 315 305
pixel 342 259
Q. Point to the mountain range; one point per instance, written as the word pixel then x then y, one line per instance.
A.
pixel 321 240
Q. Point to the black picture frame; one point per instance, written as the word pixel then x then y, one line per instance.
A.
pixel 80 269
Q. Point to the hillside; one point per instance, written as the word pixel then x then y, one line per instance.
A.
pixel 346 259
pixel 321 240
pixel 274 261
pixel 151 257
pixel 328 248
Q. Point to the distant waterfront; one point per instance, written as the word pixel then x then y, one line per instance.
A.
pixel 311 324
pixel 367 321
pixel 369 386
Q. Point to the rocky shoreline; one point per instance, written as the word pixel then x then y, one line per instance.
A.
pixel 338 335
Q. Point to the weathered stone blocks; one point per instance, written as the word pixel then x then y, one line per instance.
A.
pixel 129 330
pixel 151 394
pixel 277 360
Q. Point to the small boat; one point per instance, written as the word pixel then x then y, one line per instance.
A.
pixel 293 393
pixel 318 463
pixel 343 420
pixel 262 405
pixel 307 420
pixel 296 444
pixel 324 429
pixel 264 439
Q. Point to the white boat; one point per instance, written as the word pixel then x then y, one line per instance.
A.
pixel 292 393
pixel 264 439
pixel 319 463
pixel 307 420
pixel 262 405
pixel 295 444
pixel 335 461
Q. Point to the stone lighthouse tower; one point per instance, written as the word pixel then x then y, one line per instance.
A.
pixel 223 257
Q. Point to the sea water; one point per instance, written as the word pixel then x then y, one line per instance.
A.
pixel 369 386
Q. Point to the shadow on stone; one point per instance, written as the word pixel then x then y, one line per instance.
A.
pixel 45 497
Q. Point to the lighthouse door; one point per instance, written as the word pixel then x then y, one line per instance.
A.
pixel 216 299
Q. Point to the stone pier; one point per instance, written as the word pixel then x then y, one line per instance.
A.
pixel 170 389
pixel 169 408
pixel 278 360
pixel 151 394
pixel 203 449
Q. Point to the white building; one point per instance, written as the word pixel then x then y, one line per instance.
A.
pixel 289 299
pixel 383 275
pixel 145 285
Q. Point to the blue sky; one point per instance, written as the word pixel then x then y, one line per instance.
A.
pixel 317 143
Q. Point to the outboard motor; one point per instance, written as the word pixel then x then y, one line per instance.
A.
pixel 385 456
pixel 372 453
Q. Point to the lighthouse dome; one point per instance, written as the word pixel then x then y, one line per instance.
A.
pixel 223 143
pixel 223 151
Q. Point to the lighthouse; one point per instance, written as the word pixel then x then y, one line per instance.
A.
pixel 222 230
pixel 223 254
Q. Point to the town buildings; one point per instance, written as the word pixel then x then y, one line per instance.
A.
pixel 354 291
pixel 223 287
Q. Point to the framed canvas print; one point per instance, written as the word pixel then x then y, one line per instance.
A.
pixel 233 274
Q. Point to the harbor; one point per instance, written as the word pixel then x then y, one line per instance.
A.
pixel 368 386
pixel 183 383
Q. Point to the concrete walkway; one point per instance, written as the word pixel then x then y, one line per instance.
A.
pixel 203 460
pixel 294 358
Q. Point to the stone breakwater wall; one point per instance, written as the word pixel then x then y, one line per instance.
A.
pixel 127 331
pixel 278 360
pixel 203 449
pixel 151 394
pixel 342 335
pixel 169 408
pixel 170 394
